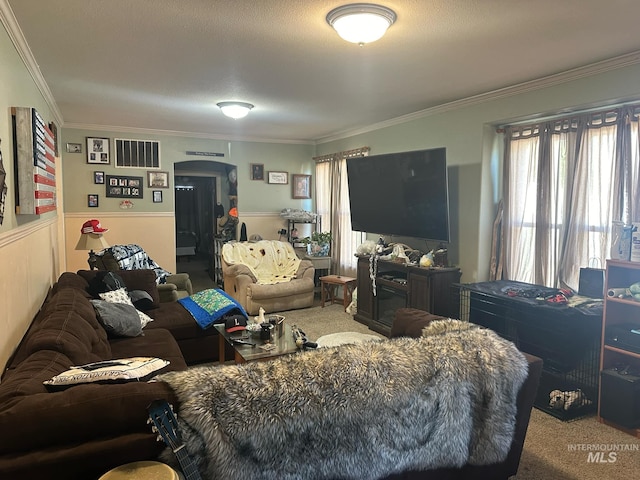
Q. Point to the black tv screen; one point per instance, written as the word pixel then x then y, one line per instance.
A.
pixel 404 194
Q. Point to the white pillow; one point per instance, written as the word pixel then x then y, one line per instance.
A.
pixel 108 371
pixel 121 296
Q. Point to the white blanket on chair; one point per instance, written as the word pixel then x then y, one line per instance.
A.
pixel 270 261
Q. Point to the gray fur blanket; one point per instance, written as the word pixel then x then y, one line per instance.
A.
pixel 357 411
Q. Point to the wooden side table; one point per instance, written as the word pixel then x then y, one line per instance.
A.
pixel 329 284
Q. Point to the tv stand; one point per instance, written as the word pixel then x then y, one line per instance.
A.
pixel 399 285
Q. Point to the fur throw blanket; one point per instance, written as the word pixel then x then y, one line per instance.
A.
pixel 270 261
pixel 356 411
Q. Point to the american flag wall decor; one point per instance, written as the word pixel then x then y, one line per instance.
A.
pixel 34 154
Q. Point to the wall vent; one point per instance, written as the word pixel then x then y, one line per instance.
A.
pixel 137 153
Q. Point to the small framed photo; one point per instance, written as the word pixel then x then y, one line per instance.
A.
pixel 279 178
pixel 157 196
pixel 301 186
pixel 257 171
pixel 98 150
pixel 92 200
pixel 157 179
pixel 98 177
pixel 74 148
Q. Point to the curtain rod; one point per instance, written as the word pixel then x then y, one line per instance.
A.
pixel 344 154
pixel 566 115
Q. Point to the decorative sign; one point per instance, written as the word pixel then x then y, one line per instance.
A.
pixel 35 159
pixel 205 154
pixel 119 186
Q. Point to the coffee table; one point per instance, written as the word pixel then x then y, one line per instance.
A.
pixel 285 344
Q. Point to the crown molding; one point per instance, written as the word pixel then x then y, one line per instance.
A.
pixel 15 34
pixel 538 84
pixel 177 133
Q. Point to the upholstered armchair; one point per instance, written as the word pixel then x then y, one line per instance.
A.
pixel 171 286
pixel 267 274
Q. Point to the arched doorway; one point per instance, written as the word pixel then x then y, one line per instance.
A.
pixel 202 196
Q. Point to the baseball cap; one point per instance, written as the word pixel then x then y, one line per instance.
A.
pixel 235 323
pixel 93 226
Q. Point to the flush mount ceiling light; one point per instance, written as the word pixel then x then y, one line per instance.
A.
pixel 361 22
pixel 235 109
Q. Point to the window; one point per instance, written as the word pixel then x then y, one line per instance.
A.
pixel 566 182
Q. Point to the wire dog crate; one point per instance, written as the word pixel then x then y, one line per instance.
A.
pixel 566 338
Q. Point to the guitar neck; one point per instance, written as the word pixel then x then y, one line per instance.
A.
pixel 186 464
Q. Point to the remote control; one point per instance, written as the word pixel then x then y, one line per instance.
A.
pixel 243 342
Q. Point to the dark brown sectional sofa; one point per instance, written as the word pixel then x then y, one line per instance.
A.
pixel 86 430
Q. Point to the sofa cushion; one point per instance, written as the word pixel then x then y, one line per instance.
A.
pixel 26 379
pixel 134 280
pixel 68 324
pixel 409 322
pixel 175 318
pixel 71 280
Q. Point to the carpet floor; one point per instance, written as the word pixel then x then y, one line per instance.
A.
pixel 553 450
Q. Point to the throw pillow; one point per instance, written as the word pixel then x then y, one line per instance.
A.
pixel 119 319
pixel 108 371
pixel 121 296
pixel 142 300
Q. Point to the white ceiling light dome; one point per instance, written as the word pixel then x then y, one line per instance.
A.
pixel 235 110
pixel 361 22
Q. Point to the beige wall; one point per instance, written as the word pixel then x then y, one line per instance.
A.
pixel 30 264
pixel 155 232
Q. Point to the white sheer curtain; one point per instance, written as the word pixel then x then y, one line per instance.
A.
pixel 565 182
pixel 332 204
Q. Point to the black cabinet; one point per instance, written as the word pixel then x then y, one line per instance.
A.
pixel 396 285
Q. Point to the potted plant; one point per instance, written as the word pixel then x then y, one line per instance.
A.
pixel 318 244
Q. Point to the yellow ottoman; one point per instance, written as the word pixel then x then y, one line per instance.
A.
pixel 145 470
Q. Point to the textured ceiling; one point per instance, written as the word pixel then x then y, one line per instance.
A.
pixel 164 64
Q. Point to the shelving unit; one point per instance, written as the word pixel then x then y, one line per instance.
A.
pixel 291 223
pixel 619 394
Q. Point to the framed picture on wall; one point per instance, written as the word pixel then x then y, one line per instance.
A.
pixel 119 186
pixel 98 177
pixel 279 178
pixel 157 196
pixel 257 171
pixel 92 200
pixel 98 150
pixel 156 179
pixel 74 148
pixel 301 186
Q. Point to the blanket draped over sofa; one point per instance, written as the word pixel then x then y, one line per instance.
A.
pixel 270 261
pixel 355 412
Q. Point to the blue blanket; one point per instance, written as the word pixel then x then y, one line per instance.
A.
pixel 210 306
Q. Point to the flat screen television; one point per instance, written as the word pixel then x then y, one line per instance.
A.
pixel 404 194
